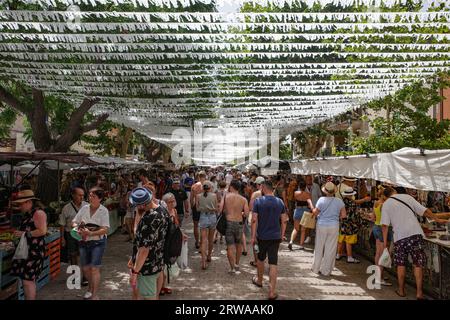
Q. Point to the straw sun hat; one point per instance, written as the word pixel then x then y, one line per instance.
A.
pixel 24 196
pixel 329 188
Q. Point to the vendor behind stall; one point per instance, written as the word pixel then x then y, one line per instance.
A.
pixel 34 226
pixel 68 213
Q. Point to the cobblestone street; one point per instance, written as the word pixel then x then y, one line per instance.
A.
pixel 295 279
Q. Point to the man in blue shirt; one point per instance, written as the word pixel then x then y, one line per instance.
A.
pixel 268 224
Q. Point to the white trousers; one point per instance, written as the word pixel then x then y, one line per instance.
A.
pixel 325 249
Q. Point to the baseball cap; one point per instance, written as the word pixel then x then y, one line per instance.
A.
pixel 259 180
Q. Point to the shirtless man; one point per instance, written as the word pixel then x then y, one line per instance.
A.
pixel 255 195
pixel 196 189
pixel 236 209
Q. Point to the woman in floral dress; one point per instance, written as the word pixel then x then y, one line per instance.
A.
pixel 34 225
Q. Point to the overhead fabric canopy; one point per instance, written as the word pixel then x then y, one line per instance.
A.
pixel 407 167
pixel 223 67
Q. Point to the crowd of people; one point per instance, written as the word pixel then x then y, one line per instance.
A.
pixel 256 206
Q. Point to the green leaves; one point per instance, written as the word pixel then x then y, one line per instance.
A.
pixel 404 119
pixel 7 118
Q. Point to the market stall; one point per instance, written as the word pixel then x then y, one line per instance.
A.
pixel 436 275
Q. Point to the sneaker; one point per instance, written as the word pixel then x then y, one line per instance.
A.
pixel 301 247
pixel 87 295
pixel 384 283
pixel 84 283
pixel 338 257
pixel 290 246
pixel 236 268
pixel 307 240
pixel 232 271
pixel 352 260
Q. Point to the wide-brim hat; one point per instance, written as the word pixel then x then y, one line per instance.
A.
pixel 329 188
pixel 351 179
pixel 140 196
pixel 24 196
pixel 348 192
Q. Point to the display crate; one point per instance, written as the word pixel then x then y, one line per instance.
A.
pixel 5 266
pixel 9 291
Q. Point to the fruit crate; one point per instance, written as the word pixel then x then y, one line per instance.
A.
pixel 53 252
pixel 9 292
pixel 5 266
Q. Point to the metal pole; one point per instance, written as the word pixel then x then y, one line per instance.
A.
pixel 58 186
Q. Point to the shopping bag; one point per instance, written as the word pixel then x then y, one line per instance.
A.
pixel 221 225
pixel 385 259
pixel 308 220
pixel 183 258
pixel 22 249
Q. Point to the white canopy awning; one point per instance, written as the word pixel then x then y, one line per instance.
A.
pixel 406 167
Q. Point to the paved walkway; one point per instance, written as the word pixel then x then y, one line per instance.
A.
pixel 295 279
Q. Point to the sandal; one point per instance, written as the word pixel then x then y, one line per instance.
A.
pixel 166 291
pixel 255 282
pixel 398 293
pixel 253 264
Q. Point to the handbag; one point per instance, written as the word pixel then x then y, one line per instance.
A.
pixel 21 252
pixel 308 220
pixel 221 225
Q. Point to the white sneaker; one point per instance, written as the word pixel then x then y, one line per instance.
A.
pixel 236 268
pixel 307 240
pixel 352 260
pixel 87 295
pixel 384 283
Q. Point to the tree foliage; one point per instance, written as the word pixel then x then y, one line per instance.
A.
pixel 403 119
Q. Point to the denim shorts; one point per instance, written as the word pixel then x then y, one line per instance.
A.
pixel 207 220
pixel 378 233
pixel 91 252
pixel 298 213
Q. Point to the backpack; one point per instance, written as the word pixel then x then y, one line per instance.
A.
pixel 172 245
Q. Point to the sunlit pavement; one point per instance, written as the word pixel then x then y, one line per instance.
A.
pixel 296 281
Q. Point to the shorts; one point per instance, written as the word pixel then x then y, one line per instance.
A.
pixel 298 213
pixel 148 286
pixel 350 239
pixel 413 246
pixel 195 214
pixel 72 244
pixel 378 233
pixel 233 234
pixel 269 248
pixel 207 221
pixel 91 252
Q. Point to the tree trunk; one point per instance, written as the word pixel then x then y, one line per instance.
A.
pixel 125 142
pixel 47 187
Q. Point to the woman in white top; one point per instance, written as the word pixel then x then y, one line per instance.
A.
pixel 207 204
pixel 92 222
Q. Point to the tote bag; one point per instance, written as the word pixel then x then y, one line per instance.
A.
pixel 308 220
